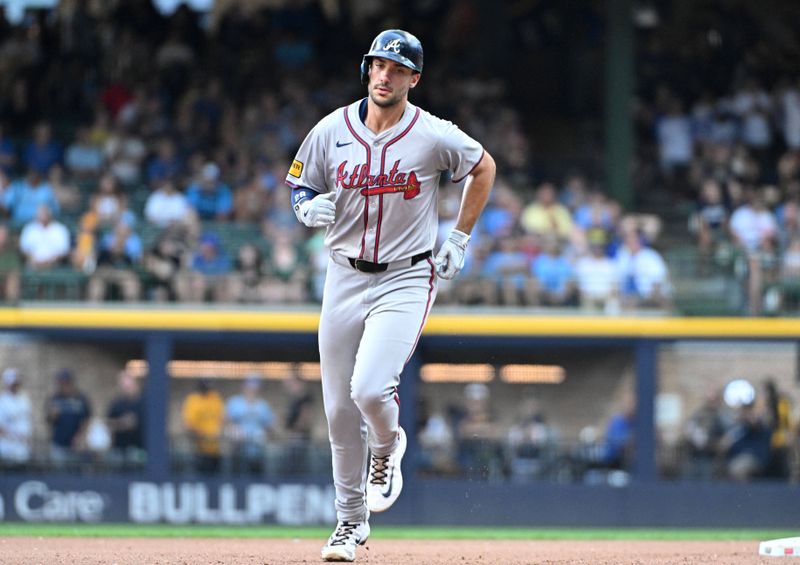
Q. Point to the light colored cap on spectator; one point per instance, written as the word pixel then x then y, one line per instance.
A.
pixel 10 376
pixel 210 171
pixel 739 392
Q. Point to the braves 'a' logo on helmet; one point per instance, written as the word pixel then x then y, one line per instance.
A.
pixel 393 46
pixel 397 45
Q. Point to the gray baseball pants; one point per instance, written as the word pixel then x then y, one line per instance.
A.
pixel 369 327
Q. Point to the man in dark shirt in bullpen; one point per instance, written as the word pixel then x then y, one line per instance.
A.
pixel 68 413
pixel 125 419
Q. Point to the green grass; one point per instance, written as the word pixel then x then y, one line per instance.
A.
pixel 387 532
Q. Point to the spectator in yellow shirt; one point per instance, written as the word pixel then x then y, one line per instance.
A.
pixel 546 216
pixel 203 416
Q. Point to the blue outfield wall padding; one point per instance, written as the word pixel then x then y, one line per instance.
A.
pixel 194 500
pixel 158 352
pixel 547 504
pixel 644 457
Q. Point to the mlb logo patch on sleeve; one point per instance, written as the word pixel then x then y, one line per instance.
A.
pixel 296 169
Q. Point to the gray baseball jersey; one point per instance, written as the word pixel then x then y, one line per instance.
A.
pixel 386 212
pixel 386 184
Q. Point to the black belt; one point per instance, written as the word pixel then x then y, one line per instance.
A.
pixel 368 267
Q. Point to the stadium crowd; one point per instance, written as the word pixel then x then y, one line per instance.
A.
pixel 142 158
pixel 718 125
pixel 734 157
pixel 153 169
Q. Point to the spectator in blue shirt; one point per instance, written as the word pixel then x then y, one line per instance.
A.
pixel 212 198
pixel 42 153
pixel 507 267
pixel 25 195
pixel 596 212
pixel 502 212
pixel 207 273
pixel 166 164
pixel 554 274
pixel 618 444
pixel 249 421
pixel 83 158
pixel 211 259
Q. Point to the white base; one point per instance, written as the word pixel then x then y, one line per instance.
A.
pixel 784 547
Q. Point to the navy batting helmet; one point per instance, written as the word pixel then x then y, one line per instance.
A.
pixel 396 45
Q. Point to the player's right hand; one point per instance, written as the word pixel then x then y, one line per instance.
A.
pixel 450 259
pixel 319 211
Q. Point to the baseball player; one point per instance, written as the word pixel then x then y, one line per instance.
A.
pixel 369 173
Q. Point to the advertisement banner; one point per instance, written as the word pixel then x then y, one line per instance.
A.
pixel 171 502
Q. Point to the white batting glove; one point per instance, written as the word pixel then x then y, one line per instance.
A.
pixel 318 211
pixel 450 259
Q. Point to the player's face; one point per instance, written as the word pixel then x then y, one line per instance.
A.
pixel 389 82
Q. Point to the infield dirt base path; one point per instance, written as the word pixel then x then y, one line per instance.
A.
pixel 161 551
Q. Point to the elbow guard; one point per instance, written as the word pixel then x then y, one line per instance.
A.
pixel 300 195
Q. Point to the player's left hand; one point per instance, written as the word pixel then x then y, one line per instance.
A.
pixel 450 259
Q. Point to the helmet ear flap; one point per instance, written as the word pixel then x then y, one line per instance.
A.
pixel 364 71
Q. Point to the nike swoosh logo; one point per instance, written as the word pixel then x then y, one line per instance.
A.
pixel 339 144
pixel 388 492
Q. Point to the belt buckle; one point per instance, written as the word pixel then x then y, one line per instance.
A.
pixel 367 267
pixel 363 266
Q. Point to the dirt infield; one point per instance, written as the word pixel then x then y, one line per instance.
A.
pixel 130 551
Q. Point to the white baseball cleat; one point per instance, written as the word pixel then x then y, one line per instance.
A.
pixel 342 544
pixel 385 479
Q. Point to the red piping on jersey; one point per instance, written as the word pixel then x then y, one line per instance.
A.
pixel 378 227
pixel 291 184
pixel 366 196
pixel 380 200
pixel 427 307
pixel 472 169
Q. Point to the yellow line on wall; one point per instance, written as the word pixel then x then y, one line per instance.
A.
pixel 613 327
pixel 438 324
pixel 191 320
